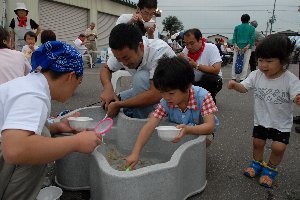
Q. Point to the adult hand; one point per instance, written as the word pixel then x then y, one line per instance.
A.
pixel 113 108
pixel 136 17
pixel 236 48
pixel 150 31
pixel 107 97
pixel 64 125
pixel 245 49
pixel 87 141
pixel 192 63
pixel 132 160
pixel 181 55
pixel 231 84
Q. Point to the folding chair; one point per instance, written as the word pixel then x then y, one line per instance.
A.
pixel 116 79
pixel 85 54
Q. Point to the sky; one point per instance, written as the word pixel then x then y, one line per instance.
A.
pixel 221 16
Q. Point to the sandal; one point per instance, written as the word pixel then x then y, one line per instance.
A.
pixel 268 176
pixel 254 169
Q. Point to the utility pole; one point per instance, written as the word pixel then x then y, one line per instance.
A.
pixel 267 28
pixel 273 19
pixel 3 16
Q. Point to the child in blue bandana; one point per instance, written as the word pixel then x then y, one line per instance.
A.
pixel 25 104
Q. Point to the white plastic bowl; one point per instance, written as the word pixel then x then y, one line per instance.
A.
pixel 149 24
pixel 167 133
pixel 80 123
pixel 49 193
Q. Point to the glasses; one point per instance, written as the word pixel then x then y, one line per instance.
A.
pixel 145 13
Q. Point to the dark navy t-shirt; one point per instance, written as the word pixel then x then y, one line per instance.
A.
pixel 33 24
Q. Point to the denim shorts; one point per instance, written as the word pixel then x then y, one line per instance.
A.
pixel 263 133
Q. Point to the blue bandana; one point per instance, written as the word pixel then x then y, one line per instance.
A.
pixel 59 57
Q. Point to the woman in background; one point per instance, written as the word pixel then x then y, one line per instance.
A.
pixel 13 63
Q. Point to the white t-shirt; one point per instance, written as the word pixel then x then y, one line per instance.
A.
pixel 154 49
pixel 80 47
pixel 273 99
pixel 125 18
pixel 26 49
pixel 210 56
pixel 13 64
pixel 28 52
pixel 25 103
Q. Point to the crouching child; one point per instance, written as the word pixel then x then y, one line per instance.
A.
pixel 191 107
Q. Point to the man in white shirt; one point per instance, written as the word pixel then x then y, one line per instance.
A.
pixel 139 57
pixel 80 44
pixel 206 60
pixel 145 13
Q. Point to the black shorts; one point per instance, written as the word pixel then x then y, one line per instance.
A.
pixel 263 133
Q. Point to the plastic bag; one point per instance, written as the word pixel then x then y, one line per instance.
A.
pixel 239 63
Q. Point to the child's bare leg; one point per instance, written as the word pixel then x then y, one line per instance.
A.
pixel 278 149
pixel 258 149
pixel 256 165
pixel 270 171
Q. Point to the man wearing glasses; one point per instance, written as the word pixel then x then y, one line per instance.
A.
pixel 143 18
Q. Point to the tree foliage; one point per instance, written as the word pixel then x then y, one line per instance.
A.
pixel 172 24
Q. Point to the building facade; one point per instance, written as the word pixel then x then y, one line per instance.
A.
pixel 69 18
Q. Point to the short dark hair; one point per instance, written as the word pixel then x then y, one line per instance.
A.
pixel 245 18
pixel 4 36
pixel 275 46
pixel 30 34
pixel 194 31
pixel 81 35
pixel 147 4
pixel 47 35
pixel 125 35
pixel 254 23
pixel 173 73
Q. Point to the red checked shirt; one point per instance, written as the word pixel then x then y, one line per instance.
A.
pixel 208 107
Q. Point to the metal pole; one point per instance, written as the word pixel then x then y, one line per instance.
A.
pixel 273 18
pixel 267 28
pixel 3 17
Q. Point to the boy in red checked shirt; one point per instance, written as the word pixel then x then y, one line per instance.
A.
pixel 191 107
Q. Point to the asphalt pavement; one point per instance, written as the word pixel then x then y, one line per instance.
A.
pixel 231 150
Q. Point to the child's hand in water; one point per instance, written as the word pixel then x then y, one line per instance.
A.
pixel 132 160
pixel 297 100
